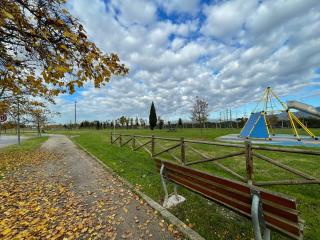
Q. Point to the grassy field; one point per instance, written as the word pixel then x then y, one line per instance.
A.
pixel 209 219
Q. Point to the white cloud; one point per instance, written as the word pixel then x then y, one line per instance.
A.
pixel 273 14
pixel 226 18
pixel 241 47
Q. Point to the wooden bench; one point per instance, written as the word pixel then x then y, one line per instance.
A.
pixel 266 209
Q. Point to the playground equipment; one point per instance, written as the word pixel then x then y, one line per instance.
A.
pixel 259 126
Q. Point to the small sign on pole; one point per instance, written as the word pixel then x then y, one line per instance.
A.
pixel 3 118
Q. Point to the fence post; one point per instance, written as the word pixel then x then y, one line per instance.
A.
pixel 111 138
pixel 183 152
pixel 152 145
pixel 249 161
pixel 133 142
pixel 120 140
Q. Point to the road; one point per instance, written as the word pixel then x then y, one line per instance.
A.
pixel 6 140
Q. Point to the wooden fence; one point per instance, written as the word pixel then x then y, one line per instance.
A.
pixel 155 147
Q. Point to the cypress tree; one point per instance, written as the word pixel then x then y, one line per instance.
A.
pixel 152 117
pixel 180 122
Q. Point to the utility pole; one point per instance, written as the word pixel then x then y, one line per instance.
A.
pixel 227 119
pixel 231 119
pixel 237 120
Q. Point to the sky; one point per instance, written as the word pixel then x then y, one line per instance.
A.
pixel 226 52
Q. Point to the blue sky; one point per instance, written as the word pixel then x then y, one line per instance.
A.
pixel 224 51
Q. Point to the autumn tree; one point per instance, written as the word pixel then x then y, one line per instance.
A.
pixel 137 122
pixel 26 110
pixel 44 51
pixel 131 122
pixel 122 120
pixel 142 122
pixel 199 112
pixel 152 117
pixel 127 122
pixel 40 115
pixel 161 124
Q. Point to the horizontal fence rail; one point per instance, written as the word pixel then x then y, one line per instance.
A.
pixel 278 212
pixel 151 143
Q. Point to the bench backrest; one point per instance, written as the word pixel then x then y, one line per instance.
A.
pixel 280 212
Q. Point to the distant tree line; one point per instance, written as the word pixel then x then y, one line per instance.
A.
pixel 199 119
pixel 132 123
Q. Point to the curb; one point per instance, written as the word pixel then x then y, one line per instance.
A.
pixel 181 226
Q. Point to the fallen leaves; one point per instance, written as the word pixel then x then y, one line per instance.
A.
pixel 11 161
pixel 40 199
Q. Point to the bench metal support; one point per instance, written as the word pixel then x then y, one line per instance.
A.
pixel 258 221
pixel 173 199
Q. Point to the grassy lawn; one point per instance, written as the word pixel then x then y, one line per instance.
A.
pixel 207 218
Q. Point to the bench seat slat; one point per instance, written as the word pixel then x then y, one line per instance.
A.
pixel 246 199
pixel 280 212
pixel 243 209
pixel 286 202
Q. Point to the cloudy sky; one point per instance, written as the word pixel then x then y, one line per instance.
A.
pixel 224 51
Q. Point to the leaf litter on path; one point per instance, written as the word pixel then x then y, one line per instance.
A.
pixel 40 198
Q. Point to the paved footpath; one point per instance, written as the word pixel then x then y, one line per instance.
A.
pixel 106 209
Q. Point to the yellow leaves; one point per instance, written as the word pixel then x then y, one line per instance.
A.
pixel 170 228
pixel 6 231
pixel 32 31
pixel 80 226
pixel 62 69
pixel 25 224
pixel 4 194
pixel 65 11
pixel 191 225
pixel 67 34
pixel 70 35
pixel 63 47
pixel 8 15
pixel 30 78
pixel 60 41
pixel 125 209
pixel 11 68
pixel 59 23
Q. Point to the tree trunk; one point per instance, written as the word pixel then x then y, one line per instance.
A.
pixel 39 130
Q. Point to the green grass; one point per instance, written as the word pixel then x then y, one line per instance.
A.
pixel 211 220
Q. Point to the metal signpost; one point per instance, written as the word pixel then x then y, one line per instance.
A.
pixel 3 118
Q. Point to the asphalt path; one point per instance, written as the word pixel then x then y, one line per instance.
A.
pixel 7 140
